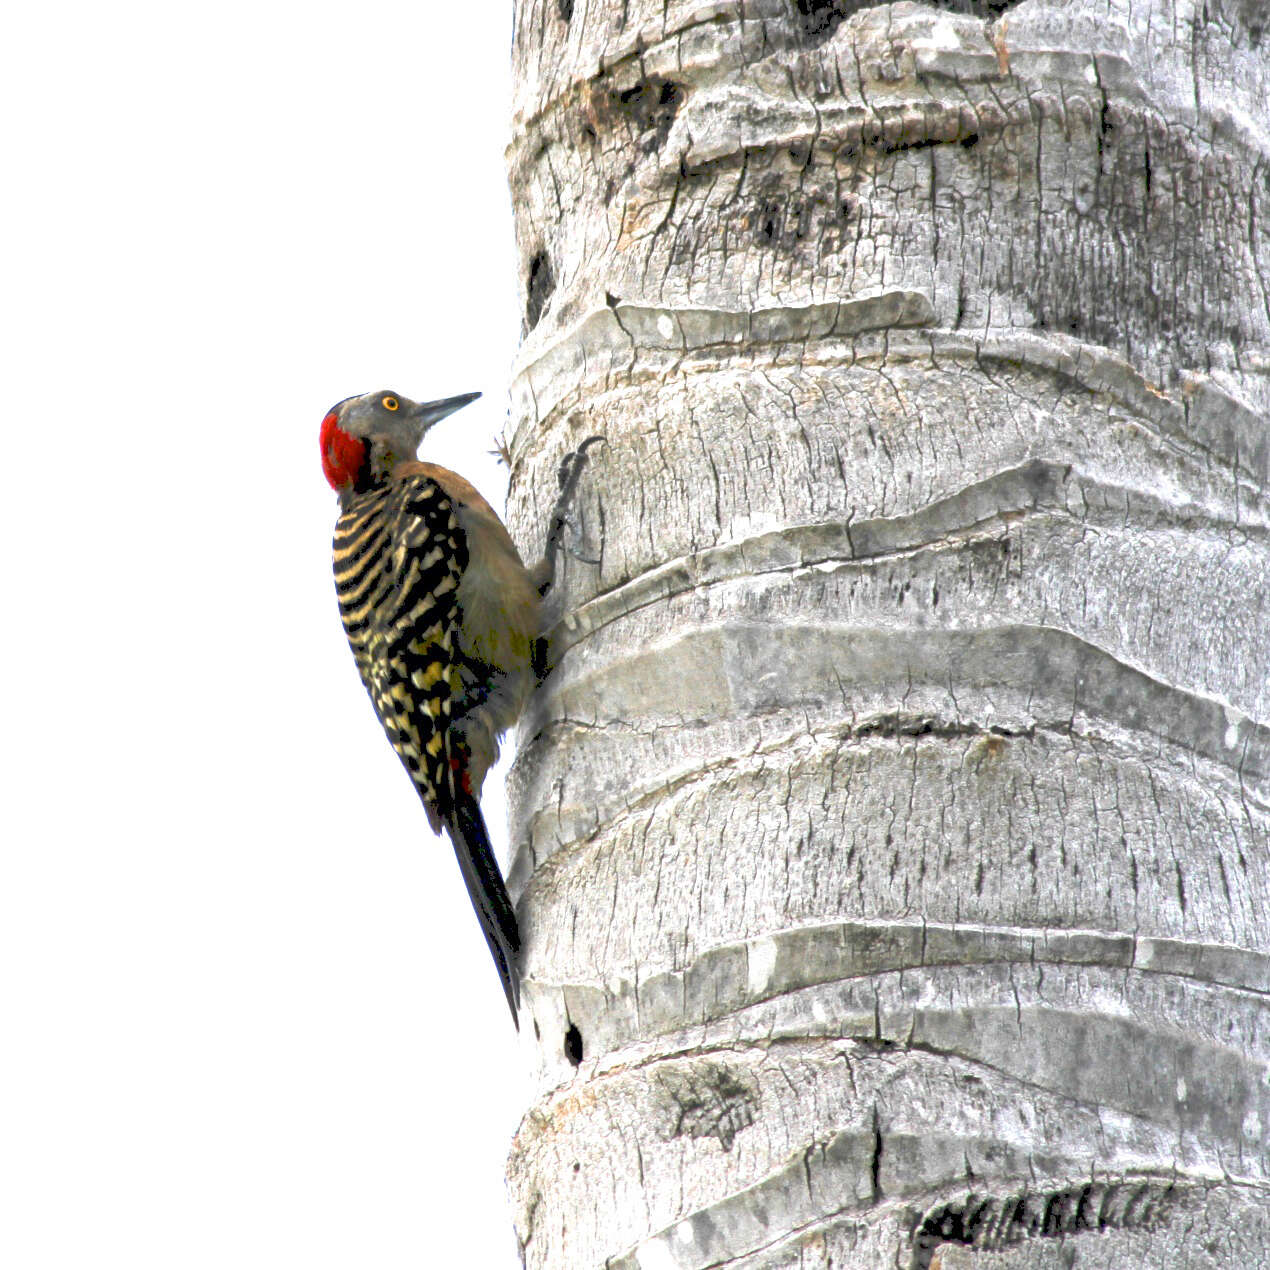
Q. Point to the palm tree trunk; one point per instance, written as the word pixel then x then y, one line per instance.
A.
pixel 892 835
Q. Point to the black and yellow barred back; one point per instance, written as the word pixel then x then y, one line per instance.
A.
pixel 399 556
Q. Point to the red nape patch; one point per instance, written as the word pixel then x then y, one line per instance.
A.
pixel 342 454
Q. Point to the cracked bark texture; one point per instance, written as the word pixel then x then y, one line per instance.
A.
pixel 892 831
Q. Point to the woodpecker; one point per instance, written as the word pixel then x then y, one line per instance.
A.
pixel 443 617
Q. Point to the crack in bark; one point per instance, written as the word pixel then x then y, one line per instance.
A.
pixel 964 945
pixel 934 528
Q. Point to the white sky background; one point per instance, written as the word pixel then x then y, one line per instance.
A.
pixel 248 1017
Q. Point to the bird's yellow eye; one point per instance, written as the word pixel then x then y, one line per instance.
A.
pixel 390 403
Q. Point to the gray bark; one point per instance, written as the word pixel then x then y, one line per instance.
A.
pixel 892 834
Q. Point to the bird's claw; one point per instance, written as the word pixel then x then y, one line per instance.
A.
pixel 571 464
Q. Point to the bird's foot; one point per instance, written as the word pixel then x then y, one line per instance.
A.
pixel 568 475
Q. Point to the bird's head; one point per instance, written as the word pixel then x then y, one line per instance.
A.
pixel 363 437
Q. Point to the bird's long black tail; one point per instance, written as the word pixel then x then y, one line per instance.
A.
pixel 466 827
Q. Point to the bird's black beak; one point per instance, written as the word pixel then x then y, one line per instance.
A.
pixel 430 412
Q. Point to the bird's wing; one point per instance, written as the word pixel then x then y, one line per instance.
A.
pixel 399 557
pixel 405 632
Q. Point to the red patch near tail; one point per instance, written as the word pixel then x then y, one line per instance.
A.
pixel 342 454
pixel 466 779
